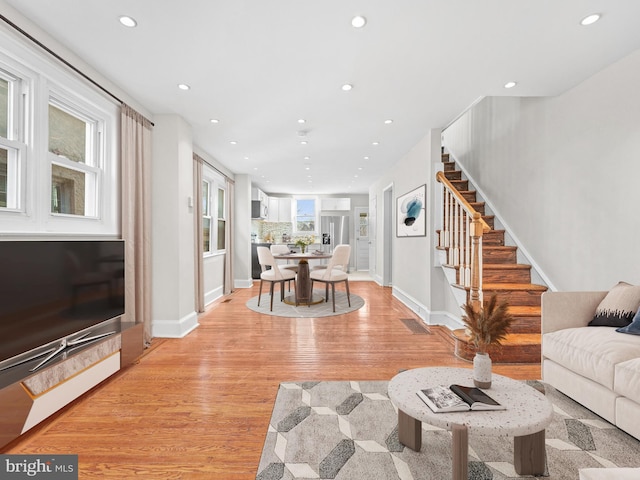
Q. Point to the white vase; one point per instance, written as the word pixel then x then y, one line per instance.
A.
pixel 482 370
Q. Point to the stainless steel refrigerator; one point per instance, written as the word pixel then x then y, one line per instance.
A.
pixel 334 230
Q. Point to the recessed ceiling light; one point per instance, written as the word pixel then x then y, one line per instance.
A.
pixel 366 158
pixel 510 84
pixel 359 168
pixel 388 122
pixel 590 19
pixel 375 143
pixel 307 168
pixel 214 120
pixel 303 142
pixel 358 21
pixel 183 86
pixel 128 21
pixel 301 120
pixel 307 157
pixel 233 142
pixel 346 87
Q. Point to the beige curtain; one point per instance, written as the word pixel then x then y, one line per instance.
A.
pixel 229 238
pixel 135 133
pixel 199 250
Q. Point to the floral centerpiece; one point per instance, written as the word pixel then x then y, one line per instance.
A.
pixel 304 242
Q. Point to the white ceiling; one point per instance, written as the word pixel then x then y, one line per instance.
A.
pixel 260 65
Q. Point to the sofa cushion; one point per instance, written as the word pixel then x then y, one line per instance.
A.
pixel 591 352
pixel 627 379
pixel 618 307
pixel 634 327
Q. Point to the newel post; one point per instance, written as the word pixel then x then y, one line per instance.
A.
pixel 476 251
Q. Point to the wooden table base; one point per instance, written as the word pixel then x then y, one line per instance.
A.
pixel 528 450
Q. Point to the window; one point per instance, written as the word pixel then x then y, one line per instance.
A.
pixel 58 148
pixel 206 216
pixel 222 219
pixel 12 147
pixel 74 161
pixel 306 215
pixel 214 212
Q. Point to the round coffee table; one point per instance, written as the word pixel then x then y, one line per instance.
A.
pixel 528 412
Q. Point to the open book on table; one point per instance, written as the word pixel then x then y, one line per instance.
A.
pixel 457 398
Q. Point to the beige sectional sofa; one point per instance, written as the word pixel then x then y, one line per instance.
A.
pixel 596 366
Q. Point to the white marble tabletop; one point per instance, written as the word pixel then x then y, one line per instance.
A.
pixel 527 410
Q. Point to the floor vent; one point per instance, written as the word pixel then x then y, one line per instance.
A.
pixel 415 327
pixel 226 301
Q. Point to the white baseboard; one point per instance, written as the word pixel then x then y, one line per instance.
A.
pixel 415 306
pixel 213 295
pixel 428 317
pixel 243 283
pixel 175 328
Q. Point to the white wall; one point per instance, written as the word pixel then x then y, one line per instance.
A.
pixel 173 229
pixel 562 173
pixel 417 279
pixel 242 232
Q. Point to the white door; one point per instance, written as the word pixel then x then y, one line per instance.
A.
pixel 373 208
pixel 362 238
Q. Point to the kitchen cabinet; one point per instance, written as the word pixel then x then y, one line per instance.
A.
pixel 279 209
pixel 335 204
pixel 259 196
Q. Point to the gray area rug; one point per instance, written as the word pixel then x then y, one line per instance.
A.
pixel 324 309
pixel 348 431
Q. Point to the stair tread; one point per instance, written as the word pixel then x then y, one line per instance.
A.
pixel 499 247
pixel 514 286
pixel 506 266
pixel 525 310
pixel 511 339
pixel 509 287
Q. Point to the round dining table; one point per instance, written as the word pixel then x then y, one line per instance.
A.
pixel 304 293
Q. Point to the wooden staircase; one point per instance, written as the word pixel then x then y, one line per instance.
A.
pixel 501 274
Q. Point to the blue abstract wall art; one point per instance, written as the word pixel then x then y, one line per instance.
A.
pixel 411 215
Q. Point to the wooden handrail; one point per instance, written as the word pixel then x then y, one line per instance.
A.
pixel 440 176
pixel 461 236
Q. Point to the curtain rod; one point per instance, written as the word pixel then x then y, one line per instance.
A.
pixel 200 159
pixel 59 58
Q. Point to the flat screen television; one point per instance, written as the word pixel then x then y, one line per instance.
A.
pixel 51 290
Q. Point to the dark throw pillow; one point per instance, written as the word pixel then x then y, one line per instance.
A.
pixel 634 327
pixel 618 307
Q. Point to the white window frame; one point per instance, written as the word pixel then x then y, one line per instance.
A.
pixel 92 167
pixel 41 79
pixel 216 182
pixel 295 230
pixel 14 143
pixel 206 215
pixel 221 187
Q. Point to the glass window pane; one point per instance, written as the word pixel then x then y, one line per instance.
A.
pixel 3 177
pixel 221 234
pixel 221 203
pixel 67 135
pixel 206 234
pixel 306 215
pixel 67 190
pixel 4 108
pixel 205 198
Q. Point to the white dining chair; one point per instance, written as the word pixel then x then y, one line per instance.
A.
pixel 273 274
pixel 282 250
pixel 335 272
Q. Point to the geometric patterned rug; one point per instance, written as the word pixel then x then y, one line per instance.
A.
pixel 323 309
pixel 348 431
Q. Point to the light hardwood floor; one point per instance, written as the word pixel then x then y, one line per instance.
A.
pixel 199 407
